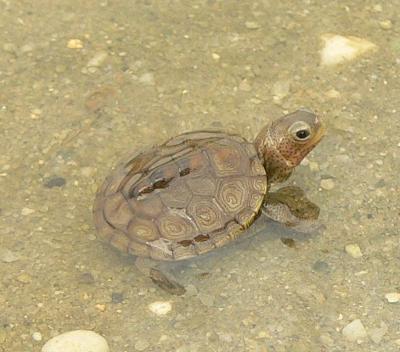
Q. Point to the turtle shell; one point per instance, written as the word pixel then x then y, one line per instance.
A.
pixel 196 192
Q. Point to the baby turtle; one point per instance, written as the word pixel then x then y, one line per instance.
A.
pixel 201 190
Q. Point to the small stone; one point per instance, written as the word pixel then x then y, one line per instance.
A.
pixel 86 278
pixel 191 291
pixel 321 266
pixel 354 250
pixel 10 48
pixel 377 8
pixel 117 297
pixel 386 24
pixel 393 297
pixel 327 184
pixel 26 48
pixel 98 59
pixel 37 336
pixel 77 341
pixel 147 78
pixel 87 171
pixel 27 211
pixel 245 86
pixel 376 334
pixel 55 181
pixel 338 49
pixel 24 278
pixel 314 166
pixel 160 308
pixel 141 345
pixel 215 56
pixel 207 300
pixel 6 256
pixel 332 93
pixel 354 331
pixel 74 44
pixel 280 90
pixel 252 25
pixel 327 340
pixel 101 307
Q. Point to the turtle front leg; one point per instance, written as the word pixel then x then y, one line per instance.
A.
pixel 290 207
pixel 151 269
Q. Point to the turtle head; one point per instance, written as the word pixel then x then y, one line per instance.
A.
pixel 284 143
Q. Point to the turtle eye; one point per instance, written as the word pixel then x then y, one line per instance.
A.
pixel 300 131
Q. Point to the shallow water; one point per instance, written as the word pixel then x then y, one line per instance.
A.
pixel 143 71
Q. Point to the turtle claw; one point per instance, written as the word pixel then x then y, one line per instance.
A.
pixel 168 285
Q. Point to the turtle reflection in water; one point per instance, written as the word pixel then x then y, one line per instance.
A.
pixel 201 190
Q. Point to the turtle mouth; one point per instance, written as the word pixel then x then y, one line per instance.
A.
pixel 319 134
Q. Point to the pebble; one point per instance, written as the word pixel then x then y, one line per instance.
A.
pixel 393 297
pixel 77 341
pixel 321 266
pixel 245 86
pixel 191 291
pixel 207 300
pixel 386 24
pixel 147 78
pixel 55 181
pixel 117 297
pixel 160 307
pixel 338 49
pixel 141 345
pixel 252 25
pixel 353 250
pixel 332 93
pixel 215 56
pixel 6 256
pixel 98 59
pixel 27 211
pixel 376 334
pixel 74 44
pixel 24 278
pixel 10 48
pixel 327 340
pixel 327 184
pixel 280 90
pixel 37 336
pixel 354 331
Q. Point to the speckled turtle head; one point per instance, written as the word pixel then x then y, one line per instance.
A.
pixel 284 143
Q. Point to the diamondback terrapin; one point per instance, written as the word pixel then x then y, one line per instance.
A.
pixel 200 190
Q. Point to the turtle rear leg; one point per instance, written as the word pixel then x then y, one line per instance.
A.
pixel 290 207
pixel 167 282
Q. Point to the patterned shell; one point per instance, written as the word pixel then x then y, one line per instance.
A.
pixel 196 192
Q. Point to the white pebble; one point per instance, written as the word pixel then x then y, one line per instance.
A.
pixel 338 49
pixel 74 44
pixel 393 297
pixel 327 184
pixel 77 341
pixel 354 250
pixel 160 308
pixel 27 211
pixel 252 25
pixel 141 345
pixel 37 336
pixel 147 78
pixel 98 59
pixel 7 256
pixel 386 24
pixel 354 331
